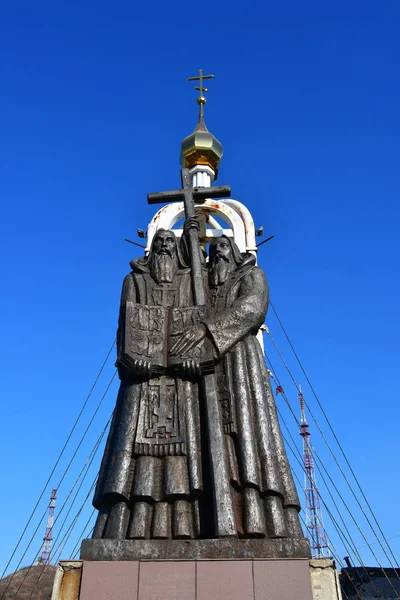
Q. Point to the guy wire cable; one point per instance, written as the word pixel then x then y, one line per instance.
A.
pixel 56 548
pixel 312 449
pixel 91 458
pixel 334 434
pixel 334 522
pixel 58 460
pixel 355 551
pixel 335 458
pixel 75 549
pixel 75 521
pixel 62 478
pixel 334 556
pixel 339 531
pixel 69 531
pixel 332 518
pixel 350 513
pixel 86 465
pixel 350 541
pixel 334 553
pixel 76 552
pixel 73 554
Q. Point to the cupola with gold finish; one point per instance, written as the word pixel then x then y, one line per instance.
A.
pixel 201 152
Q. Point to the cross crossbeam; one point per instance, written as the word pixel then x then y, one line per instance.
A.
pixel 200 79
pixel 199 194
pixel 223 506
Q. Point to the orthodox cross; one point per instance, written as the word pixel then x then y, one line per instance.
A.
pixel 189 195
pixel 201 99
pixel 223 507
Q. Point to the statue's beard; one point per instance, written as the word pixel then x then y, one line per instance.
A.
pixel 164 267
pixel 219 271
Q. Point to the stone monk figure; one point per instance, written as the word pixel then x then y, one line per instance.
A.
pixel 154 480
pixel 150 477
pixel 265 498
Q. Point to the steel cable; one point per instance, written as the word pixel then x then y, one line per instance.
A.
pixel 351 541
pixel 329 512
pixel 334 522
pixel 86 465
pixel 61 480
pixel 334 552
pixel 338 443
pixel 332 453
pixel 58 459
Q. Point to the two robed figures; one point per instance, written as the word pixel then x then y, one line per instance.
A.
pixel 157 478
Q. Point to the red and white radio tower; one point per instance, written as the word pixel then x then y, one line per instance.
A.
pixel 48 536
pixel 314 523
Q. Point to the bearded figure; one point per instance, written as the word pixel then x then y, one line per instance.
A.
pixel 150 478
pixel 264 496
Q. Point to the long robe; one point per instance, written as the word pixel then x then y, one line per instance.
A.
pixel 265 497
pixel 150 477
pixel 161 487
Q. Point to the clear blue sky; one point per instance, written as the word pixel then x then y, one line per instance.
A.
pixel 94 103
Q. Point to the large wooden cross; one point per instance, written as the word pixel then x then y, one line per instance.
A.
pixel 223 505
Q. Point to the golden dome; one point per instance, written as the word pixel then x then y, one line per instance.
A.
pixel 201 147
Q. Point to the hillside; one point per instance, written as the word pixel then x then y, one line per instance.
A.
pixel 29 583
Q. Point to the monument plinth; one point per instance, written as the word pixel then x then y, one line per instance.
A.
pixel 217 549
pixel 195 485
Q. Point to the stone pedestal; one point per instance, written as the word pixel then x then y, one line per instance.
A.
pixel 257 579
pixel 222 548
pixel 197 580
pixel 218 569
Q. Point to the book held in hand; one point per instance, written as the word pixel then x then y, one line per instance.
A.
pixel 149 332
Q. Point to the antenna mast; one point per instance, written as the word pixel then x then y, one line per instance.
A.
pixel 48 536
pixel 315 526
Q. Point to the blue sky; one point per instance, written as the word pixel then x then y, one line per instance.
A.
pixel 94 104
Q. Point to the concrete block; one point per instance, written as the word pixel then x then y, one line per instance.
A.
pixel 324 580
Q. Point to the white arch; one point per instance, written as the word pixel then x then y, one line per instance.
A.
pixel 170 214
pixel 248 223
pixel 234 213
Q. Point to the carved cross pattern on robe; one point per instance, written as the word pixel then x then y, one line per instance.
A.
pixel 162 410
pixel 164 295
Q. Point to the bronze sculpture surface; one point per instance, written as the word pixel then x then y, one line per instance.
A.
pixel 194 465
pixel 154 480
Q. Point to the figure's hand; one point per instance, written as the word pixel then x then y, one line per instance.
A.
pixel 142 368
pixel 191 369
pixel 189 338
pixel 191 223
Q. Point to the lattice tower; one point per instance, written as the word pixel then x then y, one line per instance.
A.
pixel 48 536
pixel 315 526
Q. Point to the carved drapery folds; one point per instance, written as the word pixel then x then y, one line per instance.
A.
pixel 155 480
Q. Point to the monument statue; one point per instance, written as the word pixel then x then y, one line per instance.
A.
pixel 154 480
pixel 194 462
pixel 150 477
pixel 264 495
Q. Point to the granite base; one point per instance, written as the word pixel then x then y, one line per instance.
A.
pixel 224 548
pixel 196 580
